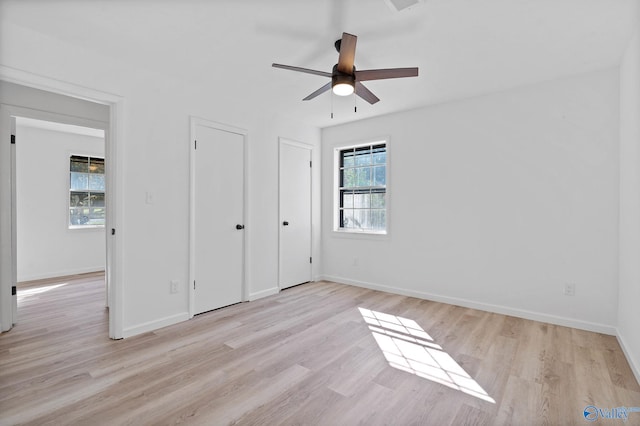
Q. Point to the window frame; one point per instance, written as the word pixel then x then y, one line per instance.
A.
pixel 94 155
pixel 354 232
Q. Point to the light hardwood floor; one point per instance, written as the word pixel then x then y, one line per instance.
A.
pixel 320 353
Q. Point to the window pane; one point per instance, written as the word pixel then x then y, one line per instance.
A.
pixel 380 156
pixel 79 199
pixel 79 164
pixel 348 220
pixel 361 218
pixel 96 217
pixel 347 199
pixel 348 178
pixel 378 220
pixel 96 165
pixel 363 156
pixel 361 201
pixel 347 158
pixel 96 182
pixel 363 176
pixel 78 216
pixel 377 200
pixel 96 199
pixel 79 180
pixel 379 176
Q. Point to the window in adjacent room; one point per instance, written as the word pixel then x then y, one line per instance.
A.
pixel 362 188
pixel 86 192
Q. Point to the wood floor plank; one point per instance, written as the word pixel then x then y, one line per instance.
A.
pixel 519 404
pixel 317 354
pixel 374 397
pixel 471 416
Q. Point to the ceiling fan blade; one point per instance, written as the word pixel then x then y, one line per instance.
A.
pixel 365 75
pixel 365 93
pixel 318 92
pixel 347 53
pixel 299 69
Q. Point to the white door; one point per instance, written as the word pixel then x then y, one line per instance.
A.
pixel 218 219
pixel 295 213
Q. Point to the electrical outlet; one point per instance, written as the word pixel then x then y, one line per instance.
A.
pixel 173 286
pixel 569 289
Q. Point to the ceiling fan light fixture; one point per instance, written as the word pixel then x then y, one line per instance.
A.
pixel 343 89
pixel 342 84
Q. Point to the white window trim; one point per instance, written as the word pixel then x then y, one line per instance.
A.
pixel 76 228
pixel 359 233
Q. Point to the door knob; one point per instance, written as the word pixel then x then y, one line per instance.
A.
pixel 239 226
pixel 285 223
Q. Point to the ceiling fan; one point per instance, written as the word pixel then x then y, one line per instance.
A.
pixel 345 79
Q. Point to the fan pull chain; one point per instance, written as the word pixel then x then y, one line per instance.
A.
pixel 355 102
pixel 331 104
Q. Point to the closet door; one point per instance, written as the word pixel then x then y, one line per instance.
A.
pixel 295 213
pixel 218 219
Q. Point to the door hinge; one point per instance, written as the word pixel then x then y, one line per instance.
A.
pixel 194 284
pixel 13 139
pixel 195 144
pixel 113 231
pixel 310 260
pixel 310 163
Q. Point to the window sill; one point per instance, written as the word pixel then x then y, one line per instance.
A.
pixel 90 227
pixel 355 234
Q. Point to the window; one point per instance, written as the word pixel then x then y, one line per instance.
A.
pixel 86 192
pixel 362 188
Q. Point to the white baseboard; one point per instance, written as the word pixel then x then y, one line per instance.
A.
pixel 155 324
pixel 264 293
pixel 498 309
pixel 62 273
pixel 633 362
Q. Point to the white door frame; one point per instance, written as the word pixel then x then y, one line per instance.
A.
pixel 114 153
pixel 287 141
pixel 193 123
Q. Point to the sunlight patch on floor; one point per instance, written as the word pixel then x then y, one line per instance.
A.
pixel 407 347
pixel 25 293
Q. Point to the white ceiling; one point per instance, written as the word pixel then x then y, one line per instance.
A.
pixel 464 48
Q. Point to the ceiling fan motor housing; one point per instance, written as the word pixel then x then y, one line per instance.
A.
pixel 338 77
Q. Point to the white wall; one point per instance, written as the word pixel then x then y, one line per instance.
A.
pixel 629 308
pixel 496 203
pixel 46 247
pixel 154 157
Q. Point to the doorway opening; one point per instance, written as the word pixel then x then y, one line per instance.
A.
pixel 60 206
pixel 36 97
